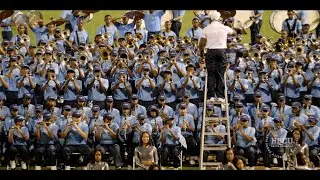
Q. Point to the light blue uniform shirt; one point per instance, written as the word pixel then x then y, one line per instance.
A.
pixel 177 13
pixel 111 30
pixel 275 112
pixel 2 90
pixel 106 137
pixel 242 142
pixel 315 91
pixel 123 28
pixel 62 122
pixel 70 94
pixel 167 110
pixel 167 34
pixel 139 110
pixel 153 21
pixel 261 122
pixel 196 33
pixel 12 85
pixel 179 121
pixel 313 110
pixel 170 96
pixel 30 109
pixel 169 139
pixel 131 120
pixel 51 89
pixel 155 121
pixel 206 22
pixel 280 134
pixel 238 90
pixel 82 35
pixel 17 137
pixel 26 87
pixel 121 93
pixel 190 87
pixel 301 119
pixel 7 21
pixel 144 33
pixel 45 139
pixel 146 127
pixel 291 22
pixel 4 111
pixel 290 90
pixel 115 113
pixel 74 138
pixel 46 37
pixel 32 124
pixel 265 92
pixel 145 92
pixel 210 139
pixel 94 92
pixel 191 109
pixel 315 133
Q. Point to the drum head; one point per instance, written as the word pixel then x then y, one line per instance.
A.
pixel 312 18
pixel 243 17
pixel 277 20
pixel 130 15
pixel 34 16
pixel 19 18
pixel 166 17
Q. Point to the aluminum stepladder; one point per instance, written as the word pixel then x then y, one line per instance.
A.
pixel 206 120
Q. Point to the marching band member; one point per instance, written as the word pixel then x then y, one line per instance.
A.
pixel 26 109
pixel 12 72
pixel 17 137
pixel 311 136
pixel 106 135
pixel 49 35
pixel 204 18
pixel 46 133
pixel 145 86
pixel 168 86
pixel 152 21
pixel 121 89
pixel 177 17
pixel 75 134
pixel 156 123
pixel 78 36
pixel 292 25
pixel 138 31
pixel 281 109
pixel 170 136
pixel 168 30
pixel 125 26
pixel 164 108
pixel 297 118
pixel 190 84
pixel 256 26
pixel 6 28
pixel 109 30
pixel 307 107
pixel 244 139
pixel 314 85
pixel 136 108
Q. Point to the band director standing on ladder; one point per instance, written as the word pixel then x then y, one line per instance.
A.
pixel 214 39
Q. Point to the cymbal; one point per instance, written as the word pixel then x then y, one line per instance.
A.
pixel 225 14
pixel 89 11
pixel 5 14
pixel 134 14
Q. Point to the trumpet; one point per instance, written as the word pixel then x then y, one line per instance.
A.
pixel 290 57
pixel 279 47
pixel 299 50
pixel 104 54
pixel 83 56
pixel 187 39
pixel 255 55
pixel 314 56
pixel 65 34
pixel 290 42
pixel 130 44
pixel 162 61
pixel 188 61
pixel 24 39
pixel 106 36
pixel 90 46
pixel 20 57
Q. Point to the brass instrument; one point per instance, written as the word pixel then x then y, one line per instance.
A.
pixel 187 39
pixel 290 57
pixel 279 47
pixel 104 54
pixel 65 34
pixel 51 45
pixel 301 42
pixel 130 44
pixel 20 57
pixel 290 42
pixel 24 39
pixel 307 110
pixel 255 55
pixel 105 36
pixel 83 56
pixel 188 61
pixel 314 56
pixel 163 61
pixel 299 50
pixel 268 44
pixel 90 46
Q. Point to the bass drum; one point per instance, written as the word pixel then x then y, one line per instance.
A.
pixel 242 19
pixel 34 16
pixel 312 18
pixel 131 20
pixel 276 19
pixel 166 17
pixel 19 18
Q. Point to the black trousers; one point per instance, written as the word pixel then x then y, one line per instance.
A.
pixel 173 151
pixel 316 101
pixel 6 35
pixel 216 65
pixel 12 98
pixel 255 30
pixel 23 150
pixel 249 153
pixel 192 146
pixel 83 149
pixel 176 27
pixel 219 155
pixel 114 149
pixel 47 151
pixel 318 31
pixel 146 104
pixel 314 157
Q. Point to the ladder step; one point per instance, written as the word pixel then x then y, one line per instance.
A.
pixel 215 133
pixel 221 148
pixel 215 145
pixel 216 119
pixel 211 163
pixel 215 102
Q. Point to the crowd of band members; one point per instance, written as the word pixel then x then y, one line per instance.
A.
pixel 140 111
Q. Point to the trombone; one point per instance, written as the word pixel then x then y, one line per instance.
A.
pixel 24 39
pixel 104 54
pixel 65 34
pixel 255 55
pixel 299 50
pixel 162 61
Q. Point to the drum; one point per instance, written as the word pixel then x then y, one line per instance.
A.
pixel 19 18
pixel 312 18
pixel 5 14
pixel 166 17
pixel 34 16
pixel 276 19
pixel 130 15
pixel 242 19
